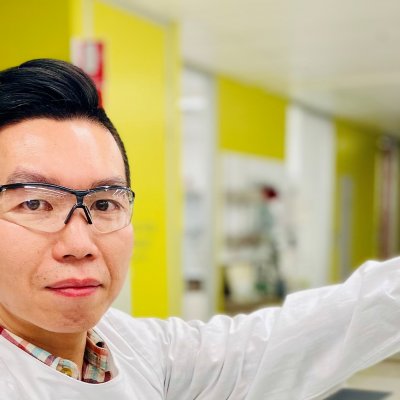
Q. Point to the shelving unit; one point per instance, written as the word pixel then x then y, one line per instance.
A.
pixel 250 242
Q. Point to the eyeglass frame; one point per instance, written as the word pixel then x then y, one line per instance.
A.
pixel 79 194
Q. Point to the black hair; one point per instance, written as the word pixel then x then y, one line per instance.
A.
pixel 55 89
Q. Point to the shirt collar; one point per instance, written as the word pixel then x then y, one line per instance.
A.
pixel 96 366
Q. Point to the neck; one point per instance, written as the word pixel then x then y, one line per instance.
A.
pixel 70 346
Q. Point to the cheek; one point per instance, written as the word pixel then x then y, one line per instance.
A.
pixel 20 249
pixel 21 252
pixel 118 253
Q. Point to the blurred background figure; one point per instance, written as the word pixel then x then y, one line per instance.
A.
pixel 263 137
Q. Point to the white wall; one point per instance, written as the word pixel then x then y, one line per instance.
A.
pixel 198 174
pixel 310 161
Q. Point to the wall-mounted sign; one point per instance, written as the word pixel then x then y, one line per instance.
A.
pixel 89 55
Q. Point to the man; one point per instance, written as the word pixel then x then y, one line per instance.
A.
pixel 65 246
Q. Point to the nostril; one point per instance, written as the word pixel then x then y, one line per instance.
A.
pixel 74 256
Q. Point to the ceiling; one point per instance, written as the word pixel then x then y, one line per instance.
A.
pixel 340 57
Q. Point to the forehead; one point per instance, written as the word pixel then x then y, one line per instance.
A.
pixel 73 153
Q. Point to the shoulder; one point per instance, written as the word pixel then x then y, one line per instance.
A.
pixel 119 326
pixel 122 321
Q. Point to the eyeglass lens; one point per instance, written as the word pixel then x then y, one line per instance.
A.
pixel 46 209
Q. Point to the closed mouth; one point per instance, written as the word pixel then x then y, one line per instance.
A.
pixel 75 287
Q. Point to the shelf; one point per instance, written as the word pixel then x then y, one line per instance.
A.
pixel 233 308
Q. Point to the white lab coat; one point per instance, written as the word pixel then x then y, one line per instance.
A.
pixel 301 351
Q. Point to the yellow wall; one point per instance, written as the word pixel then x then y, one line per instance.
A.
pixel 33 29
pixel 356 160
pixel 174 190
pixel 135 98
pixel 250 120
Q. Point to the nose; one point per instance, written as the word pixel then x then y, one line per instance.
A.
pixel 75 241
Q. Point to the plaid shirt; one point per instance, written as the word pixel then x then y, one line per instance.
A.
pixel 95 367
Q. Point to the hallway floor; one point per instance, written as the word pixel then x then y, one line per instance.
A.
pixel 383 377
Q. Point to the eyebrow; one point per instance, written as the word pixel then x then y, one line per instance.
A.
pixel 25 176
pixel 114 181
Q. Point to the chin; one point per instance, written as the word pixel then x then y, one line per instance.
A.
pixel 75 323
pixel 77 327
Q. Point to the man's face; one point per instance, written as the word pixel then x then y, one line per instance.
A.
pixel 76 154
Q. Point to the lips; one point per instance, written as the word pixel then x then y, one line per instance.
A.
pixel 75 287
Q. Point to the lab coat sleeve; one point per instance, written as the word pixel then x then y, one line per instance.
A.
pixel 315 341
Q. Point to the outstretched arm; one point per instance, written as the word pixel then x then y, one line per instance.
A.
pixel 315 341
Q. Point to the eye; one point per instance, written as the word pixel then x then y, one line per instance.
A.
pixel 35 205
pixel 104 205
